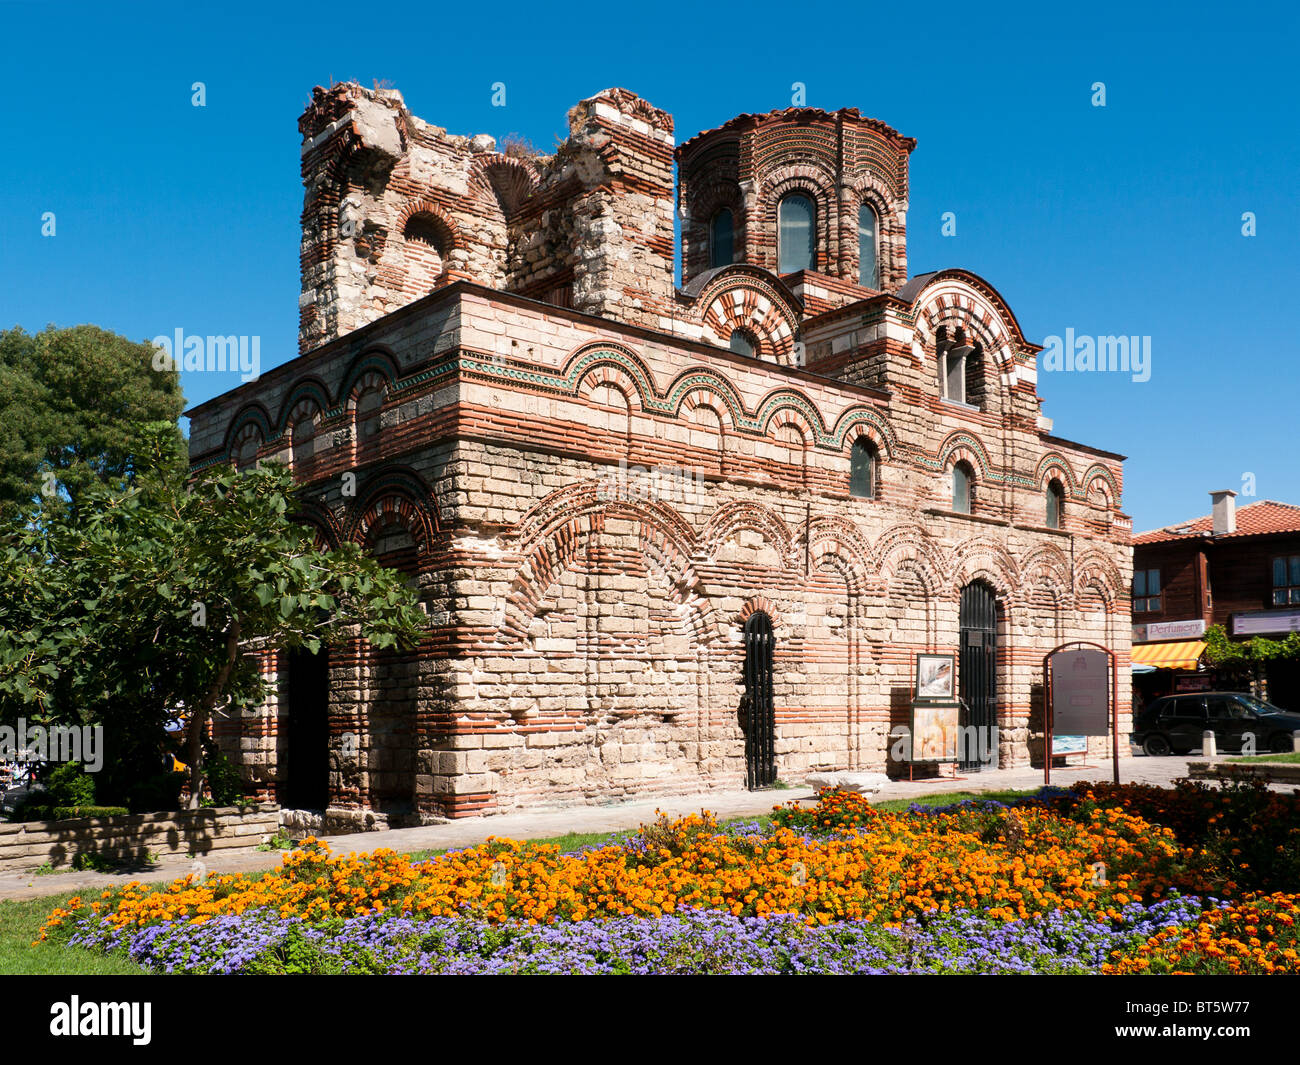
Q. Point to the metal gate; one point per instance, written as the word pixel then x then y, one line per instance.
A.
pixel 979 676
pixel 759 711
pixel 306 782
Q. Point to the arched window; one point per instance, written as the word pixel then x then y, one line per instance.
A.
pixel 868 271
pixel 368 407
pixel 743 342
pixel 303 440
pixel 1055 504
pixel 721 239
pixel 428 229
pixel 246 453
pixel 428 243
pixel 1100 501
pixel 959 367
pixel 963 488
pixel 862 470
pixel 797 240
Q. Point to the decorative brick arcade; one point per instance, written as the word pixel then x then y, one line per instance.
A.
pixel 502 392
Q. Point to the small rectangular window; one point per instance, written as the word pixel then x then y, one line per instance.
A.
pixel 1286 580
pixel 955 384
pixel 961 490
pixel 1146 591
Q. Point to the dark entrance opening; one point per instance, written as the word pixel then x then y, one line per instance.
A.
pixel 306 784
pixel 393 689
pixel 759 720
pixel 978 677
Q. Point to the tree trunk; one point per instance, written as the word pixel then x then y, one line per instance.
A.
pixel 200 715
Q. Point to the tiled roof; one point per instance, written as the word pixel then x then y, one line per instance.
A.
pixel 1254 519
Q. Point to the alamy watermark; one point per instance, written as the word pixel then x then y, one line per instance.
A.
pixel 214 354
pixel 55 743
pixel 663 484
pixel 1099 354
pixel 968 743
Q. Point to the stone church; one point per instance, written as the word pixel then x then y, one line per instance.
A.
pixel 668 537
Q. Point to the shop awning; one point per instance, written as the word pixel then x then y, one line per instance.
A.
pixel 1180 654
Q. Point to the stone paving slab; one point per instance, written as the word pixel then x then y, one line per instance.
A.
pixel 544 823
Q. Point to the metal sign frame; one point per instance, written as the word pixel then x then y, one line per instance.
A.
pixel 1048 709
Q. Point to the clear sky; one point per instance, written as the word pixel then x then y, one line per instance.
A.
pixel 1118 220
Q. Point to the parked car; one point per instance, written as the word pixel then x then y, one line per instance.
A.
pixel 1175 724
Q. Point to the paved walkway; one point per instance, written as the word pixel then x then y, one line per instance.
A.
pixel 544 823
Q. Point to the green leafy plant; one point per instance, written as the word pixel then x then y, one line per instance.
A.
pixel 281 841
pixel 225 784
pixel 296 955
pixel 1222 652
pixel 90 861
pixel 70 785
pixel 135 609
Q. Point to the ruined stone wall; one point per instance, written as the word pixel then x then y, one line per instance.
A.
pixel 395 208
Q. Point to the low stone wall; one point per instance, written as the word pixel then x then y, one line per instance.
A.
pixel 338 821
pixel 1269 772
pixel 130 838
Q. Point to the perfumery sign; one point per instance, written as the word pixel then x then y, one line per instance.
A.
pixel 1169 630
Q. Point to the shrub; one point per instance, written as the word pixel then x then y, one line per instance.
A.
pixel 70 785
pixel 33 812
pixel 1246 837
pixel 225 785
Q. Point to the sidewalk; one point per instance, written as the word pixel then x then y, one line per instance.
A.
pixel 544 823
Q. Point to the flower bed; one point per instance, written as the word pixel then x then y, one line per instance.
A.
pixel 980 887
pixel 1255 937
pixel 694 941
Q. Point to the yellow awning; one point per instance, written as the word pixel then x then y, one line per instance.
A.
pixel 1181 654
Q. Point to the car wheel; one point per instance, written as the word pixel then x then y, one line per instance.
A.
pixel 1281 744
pixel 1156 746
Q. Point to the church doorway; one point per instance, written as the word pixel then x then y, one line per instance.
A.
pixel 306 784
pixel 978 675
pixel 759 709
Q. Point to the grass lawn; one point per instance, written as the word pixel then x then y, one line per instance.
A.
pixel 20 923
pixel 1294 756
pixel 944 798
pixel 575 840
pixel 570 842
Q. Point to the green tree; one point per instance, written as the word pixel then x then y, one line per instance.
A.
pixel 142 605
pixel 73 404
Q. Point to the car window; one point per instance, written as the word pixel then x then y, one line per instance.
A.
pixel 1184 707
pixel 1259 706
pixel 1226 708
pixel 1244 707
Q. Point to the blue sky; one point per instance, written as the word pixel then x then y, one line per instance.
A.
pixel 1125 219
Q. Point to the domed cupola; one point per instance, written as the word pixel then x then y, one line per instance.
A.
pixel 801 192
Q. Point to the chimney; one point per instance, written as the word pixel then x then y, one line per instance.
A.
pixel 1225 511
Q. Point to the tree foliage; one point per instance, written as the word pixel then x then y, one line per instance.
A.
pixel 73 404
pixel 141 606
pixel 1222 651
